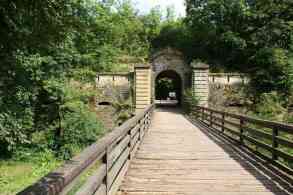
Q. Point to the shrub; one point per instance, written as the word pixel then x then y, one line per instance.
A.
pixel 270 107
pixel 78 125
pixel 273 72
pixel 190 100
pixel 14 131
pixel 80 128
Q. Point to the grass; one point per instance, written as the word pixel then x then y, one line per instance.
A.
pixel 17 175
pixel 28 167
pixel 83 177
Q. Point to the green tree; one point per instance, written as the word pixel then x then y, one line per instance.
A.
pixel 45 45
pixel 247 36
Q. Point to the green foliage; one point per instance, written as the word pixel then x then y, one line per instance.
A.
pixel 190 100
pixel 18 173
pixel 13 130
pixel 81 128
pixel 270 107
pixel 50 52
pixel 275 71
pixel 248 36
pixel 84 75
pixel 174 34
pixel 44 46
pixel 123 108
pixel 163 87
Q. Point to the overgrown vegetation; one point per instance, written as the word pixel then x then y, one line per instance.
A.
pixel 50 53
pixel 190 100
pixel 51 50
pixel 238 99
pixel 252 37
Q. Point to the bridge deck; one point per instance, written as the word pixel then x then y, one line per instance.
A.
pixel 178 158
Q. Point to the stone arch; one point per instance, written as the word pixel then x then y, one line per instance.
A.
pixel 176 86
pixel 193 76
pixel 170 59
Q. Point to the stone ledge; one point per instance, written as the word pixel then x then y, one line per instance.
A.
pixel 142 66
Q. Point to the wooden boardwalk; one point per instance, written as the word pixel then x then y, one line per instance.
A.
pixel 177 158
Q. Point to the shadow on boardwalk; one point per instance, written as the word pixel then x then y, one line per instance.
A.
pixel 279 183
pixel 183 157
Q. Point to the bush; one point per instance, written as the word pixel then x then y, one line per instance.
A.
pixel 81 128
pixel 190 100
pixel 273 73
pixel 14 131
pixel 61 121
pixel 78 125
pixel 270 107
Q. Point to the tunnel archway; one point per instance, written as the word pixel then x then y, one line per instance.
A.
pixel 168 88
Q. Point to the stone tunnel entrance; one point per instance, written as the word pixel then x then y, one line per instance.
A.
pixel 168 88
pixel 166 77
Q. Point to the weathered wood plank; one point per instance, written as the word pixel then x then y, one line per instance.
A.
pixel 176 158
pixel 113 172
pixel 119 179
pixel 134 130
pixel 116 152
pixel 93 182
pixel 61 180
pixel 134 141
pixel 102 190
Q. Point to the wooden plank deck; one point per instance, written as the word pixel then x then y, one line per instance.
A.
pixel 176 158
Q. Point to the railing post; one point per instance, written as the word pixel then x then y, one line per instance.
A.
pixel 275 144
pixel 129 143
pixel 223 123
pixel 198 113
pixel 145 123
pixel 211 118
pixel 106 161
pixel 139 130
pixel 142 122
pixel 241 130
pixel 149 120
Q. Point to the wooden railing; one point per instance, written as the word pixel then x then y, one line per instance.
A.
pixel 114 152
pixel 271 140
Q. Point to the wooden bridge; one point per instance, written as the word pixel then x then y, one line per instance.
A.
pixel 163 152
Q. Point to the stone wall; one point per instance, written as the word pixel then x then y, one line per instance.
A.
pixel 106 113
pixel 113 89
pixel 115 79
pixel 142 81
pixel 200 82
pixel 228 78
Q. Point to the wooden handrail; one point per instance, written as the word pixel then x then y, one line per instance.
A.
pixel 114 151
pixel 273 137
